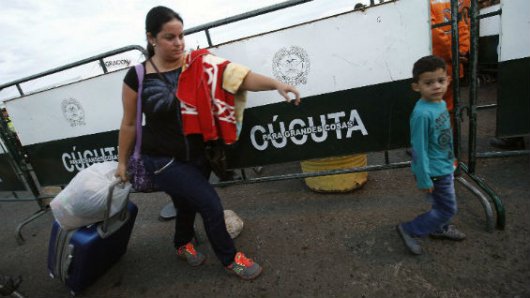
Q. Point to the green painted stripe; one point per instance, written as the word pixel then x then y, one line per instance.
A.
pixel 383 109
pixel 513 99
pixel 57 162
pixel 9 181
pixel 487 54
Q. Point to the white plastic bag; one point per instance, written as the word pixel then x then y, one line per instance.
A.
pixel 234 223
pixel 84 200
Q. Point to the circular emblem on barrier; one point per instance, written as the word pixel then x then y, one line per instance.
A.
pixel 291 65
pixel 73 112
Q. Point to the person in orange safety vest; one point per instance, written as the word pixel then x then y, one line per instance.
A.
pixel 442 40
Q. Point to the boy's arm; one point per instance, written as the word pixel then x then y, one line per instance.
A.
pixel 420 143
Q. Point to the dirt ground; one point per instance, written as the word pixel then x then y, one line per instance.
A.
pixel 314 245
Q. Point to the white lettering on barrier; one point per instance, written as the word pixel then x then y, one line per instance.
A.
pixel 77 160
pixel 298 131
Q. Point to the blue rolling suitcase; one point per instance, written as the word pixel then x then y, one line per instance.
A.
pixel 78 257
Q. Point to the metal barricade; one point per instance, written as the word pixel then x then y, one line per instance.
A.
pixel 340 115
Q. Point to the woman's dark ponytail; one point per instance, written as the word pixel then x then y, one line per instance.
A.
pixel 150 50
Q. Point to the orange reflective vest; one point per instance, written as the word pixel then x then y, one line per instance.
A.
pixel 441 36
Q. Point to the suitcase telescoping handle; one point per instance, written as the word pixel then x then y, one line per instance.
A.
pixel 103 229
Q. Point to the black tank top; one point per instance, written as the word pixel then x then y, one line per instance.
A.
pixel 162 134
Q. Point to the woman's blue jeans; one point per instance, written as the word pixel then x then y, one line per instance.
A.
pixel 443 209
pixel 188 186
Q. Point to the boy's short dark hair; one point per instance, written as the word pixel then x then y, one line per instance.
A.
pixel 425 64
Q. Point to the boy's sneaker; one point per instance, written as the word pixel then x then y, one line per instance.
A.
pixel 188 253
pixel 244 267
pixel 451 232
pixel 411 243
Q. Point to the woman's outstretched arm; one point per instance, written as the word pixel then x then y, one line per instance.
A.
pixel 257 82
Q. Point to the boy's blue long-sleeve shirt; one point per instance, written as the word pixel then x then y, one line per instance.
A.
pixel 432 142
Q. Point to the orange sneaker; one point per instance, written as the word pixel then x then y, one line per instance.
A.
pixel 188 253
pixel 244 267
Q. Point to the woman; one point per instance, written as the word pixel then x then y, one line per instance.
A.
pixel 180 155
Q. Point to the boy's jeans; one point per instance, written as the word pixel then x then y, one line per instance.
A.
pixel 443 209
pixel 187 185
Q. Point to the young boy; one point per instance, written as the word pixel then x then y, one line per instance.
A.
pixel 432 155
